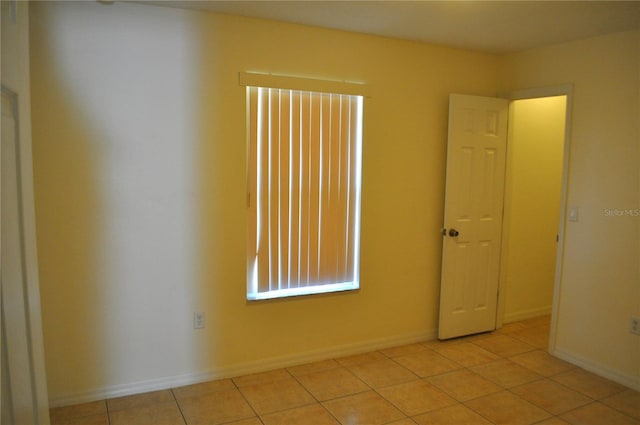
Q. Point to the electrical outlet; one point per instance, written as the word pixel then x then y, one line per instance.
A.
pixel 198 320
pixel 635 325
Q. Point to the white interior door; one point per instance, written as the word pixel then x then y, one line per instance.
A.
pixel 474 194
pixel 23 380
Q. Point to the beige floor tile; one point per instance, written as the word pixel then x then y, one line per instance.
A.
pixel 507 408
pixel 332 383
pixel 544 320
pixel 382 373
pixel 436 343
pixel 454 415
pixel 101 419
pixel 427 363
pixel 139 400
pixel 62 414
pixel 542 363
pixel 262 377
pixel 403 350
pixel 203 388
pixel 542 327
pixel 463 384
pixel 627 402
pixel 366 408
pixel 479 336
pixel 414 398
pixel 313 367
pixel 356 359
pixel 406 421
pixel 503 345
pixel 153 414
pixel 588 383
pixel 598 414
pixel 215 408
pixel 250 421
pixel 507 328
pixel 466 354
pixel 506 373
pixel 551 396
pixel 553 421
pixel 275 396
pixel 313 414
pixel 537 337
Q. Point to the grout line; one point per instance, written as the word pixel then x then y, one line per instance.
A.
pixel 175 399
pixel 106 406
pixel 245 399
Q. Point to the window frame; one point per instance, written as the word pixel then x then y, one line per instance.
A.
pixel 266 81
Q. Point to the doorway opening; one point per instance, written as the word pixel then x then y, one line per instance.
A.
pixel 535 203
pixel 483 282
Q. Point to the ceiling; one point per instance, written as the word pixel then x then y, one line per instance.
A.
pixel 489 26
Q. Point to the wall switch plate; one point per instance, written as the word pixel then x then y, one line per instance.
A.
pixel 573 213
pixel 198 320
pixel 635 325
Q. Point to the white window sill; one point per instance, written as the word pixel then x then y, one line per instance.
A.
pixel 306 290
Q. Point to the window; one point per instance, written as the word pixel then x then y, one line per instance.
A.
pixel 304 192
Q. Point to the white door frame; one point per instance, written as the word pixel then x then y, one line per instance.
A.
pixel 562 90
pixel 15 84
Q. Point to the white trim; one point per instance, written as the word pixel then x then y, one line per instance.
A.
pixel 240 369
pixel 621 378
pixel 257 79
pixel 18 82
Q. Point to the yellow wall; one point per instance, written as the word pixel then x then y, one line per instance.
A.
pixel 532 205
pixel 139 169
pixel 600 285
pixel 139 154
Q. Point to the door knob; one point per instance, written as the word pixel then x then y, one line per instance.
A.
pixel 453 233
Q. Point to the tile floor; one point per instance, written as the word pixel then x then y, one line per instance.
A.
pixel 503 377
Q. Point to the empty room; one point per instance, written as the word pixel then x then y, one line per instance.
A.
pixel 317 212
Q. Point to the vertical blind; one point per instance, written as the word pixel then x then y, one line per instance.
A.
pixel 304 191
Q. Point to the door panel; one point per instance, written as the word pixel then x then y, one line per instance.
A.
pixel 473 214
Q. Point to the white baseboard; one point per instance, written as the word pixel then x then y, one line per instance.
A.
pixel 526 314
pixel 239 369
pixel 621 378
